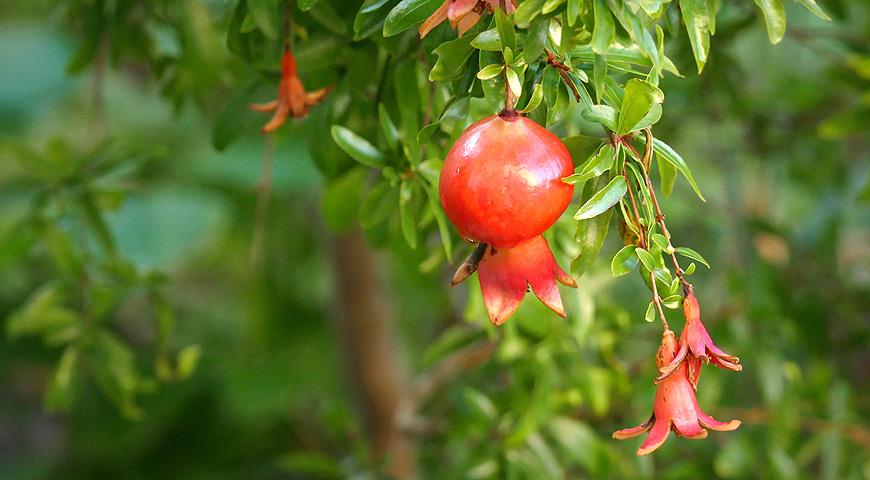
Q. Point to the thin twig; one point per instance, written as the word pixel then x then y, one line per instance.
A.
pixel 660 217
pixel 658 301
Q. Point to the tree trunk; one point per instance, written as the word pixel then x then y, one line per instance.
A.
pixel 365 326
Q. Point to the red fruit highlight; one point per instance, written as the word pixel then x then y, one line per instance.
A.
pixel 502 185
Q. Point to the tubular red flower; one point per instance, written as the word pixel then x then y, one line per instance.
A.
pixel 292 99
pixel 675 408
pixel 463 14
pixel 696 345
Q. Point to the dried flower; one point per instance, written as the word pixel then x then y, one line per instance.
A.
pixel 292 99
pixel 463 14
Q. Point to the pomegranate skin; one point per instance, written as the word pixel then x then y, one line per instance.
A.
pixel 502 181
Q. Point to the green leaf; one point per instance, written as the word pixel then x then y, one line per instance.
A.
pixel 505 28
pixel 774 18
pixel 652 117
pixel 379 204
pixel 582 147
pixel 660 241
pixel 536 40
pixel 594 166
pixel 60 391
pixel 639 97
pixel 407 14
pixel 814 7
pixel 514 82
pixel 668 175
pixel 388 128
pixel 590 236
pixel 624 261
pixel 603 114
pixel 407 213
pixel 187 360
pixel 341 199
pixel 527 11
pixel 646 259
pixel 487 40
pixel 369 19
pixel 551 83
pixel 672 301
pixel 115 373
pixel 690 269
pixel 689 253
pixel 695 16
pixel 45 315
pixel 534 100
pixel 490 71
pixel 479 404
pixel 603 199
pixel 602 33
pixel 425 133
pixel 306 5
pixel 452 57
pixel 664 151
pixel 357 147
pixel 650 315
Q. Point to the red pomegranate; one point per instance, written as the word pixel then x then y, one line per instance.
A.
pixel 501 185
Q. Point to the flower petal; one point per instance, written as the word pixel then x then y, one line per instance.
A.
pixel 657 436
pixel 435 19
pixel 709 422
pixel 634 431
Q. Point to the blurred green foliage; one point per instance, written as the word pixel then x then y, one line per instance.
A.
pixel 141 341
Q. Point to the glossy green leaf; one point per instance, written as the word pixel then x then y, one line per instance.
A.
pixel 672 301
pixel 487 40
pixel 534 100
pixel 816 10
pixel 695 17
pixel 603 114
pixel 490 71
pixel 536 40
pixel 689 253
pixel 624 261
pixel 594 166
pixel 505 27
pixel 667 174
pixel 357 147
pixel 665 152
pixel 514 82
pixel 774 18
pixel 646 259
pixel 407 14
pixel 639 98
pixel 602 33
pixel 651 310
pixel 527 11
pixel 407 213
pixel 603 199
pixel 388 128
pixel 452 59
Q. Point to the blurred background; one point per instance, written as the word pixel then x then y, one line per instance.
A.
pixel 234 338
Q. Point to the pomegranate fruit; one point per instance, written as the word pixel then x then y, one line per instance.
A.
pixel 501 185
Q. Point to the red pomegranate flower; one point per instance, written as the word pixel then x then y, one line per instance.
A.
pixel 463 14
pixel 675 407
pixel 292 99
pixel 501 185
pixel 696 345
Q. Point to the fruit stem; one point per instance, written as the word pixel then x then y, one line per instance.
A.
pixel 509 111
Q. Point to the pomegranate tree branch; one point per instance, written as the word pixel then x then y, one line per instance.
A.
pixel 660 217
